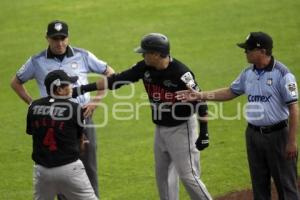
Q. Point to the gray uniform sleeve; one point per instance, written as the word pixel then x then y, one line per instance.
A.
pixel 288 88
pixel 238 85
pixel 94 64
pixel 26 72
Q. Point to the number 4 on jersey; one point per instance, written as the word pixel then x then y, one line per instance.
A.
pixel 49 140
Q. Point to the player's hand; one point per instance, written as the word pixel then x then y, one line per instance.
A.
pixel 188 95
pixel 202 142
pixel 291 150
pixel 83 141
pixel 89 109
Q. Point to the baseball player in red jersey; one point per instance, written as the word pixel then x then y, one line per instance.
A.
pixel 56 126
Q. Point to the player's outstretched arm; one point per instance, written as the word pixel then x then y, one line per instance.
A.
pixel 91 106
pixel 98 85
pixel 223 94
pixel 188 95
pixel 112 82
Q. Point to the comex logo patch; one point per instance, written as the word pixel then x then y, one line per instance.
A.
pixel 259 98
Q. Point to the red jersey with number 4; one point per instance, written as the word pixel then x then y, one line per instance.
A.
pixel 56 126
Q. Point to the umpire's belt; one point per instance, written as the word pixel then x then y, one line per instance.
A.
pixel 269 129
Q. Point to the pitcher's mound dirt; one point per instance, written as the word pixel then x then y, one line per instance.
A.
pixel 247 194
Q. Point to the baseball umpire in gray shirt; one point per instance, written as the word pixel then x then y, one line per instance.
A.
pixel 272 115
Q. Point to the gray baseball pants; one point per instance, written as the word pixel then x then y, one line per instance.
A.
pixel 89 158
pixel 69 180
pixel 176 145
pixel 266 158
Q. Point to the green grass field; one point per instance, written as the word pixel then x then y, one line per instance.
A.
pixel 203 34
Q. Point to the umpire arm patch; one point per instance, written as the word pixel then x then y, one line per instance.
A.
pixel 292 89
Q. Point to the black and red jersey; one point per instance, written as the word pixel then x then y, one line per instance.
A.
pixel 56 126
pixel 161 86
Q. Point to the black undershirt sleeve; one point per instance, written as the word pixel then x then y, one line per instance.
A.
pixel 114 81
pixel 128 76
pixel 202 112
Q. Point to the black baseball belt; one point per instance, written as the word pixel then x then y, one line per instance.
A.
pixel 271 128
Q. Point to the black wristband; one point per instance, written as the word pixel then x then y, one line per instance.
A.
pixel 77 91
pixel 88 88
pixel 202 109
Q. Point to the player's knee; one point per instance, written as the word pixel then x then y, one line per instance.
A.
pixel 188 176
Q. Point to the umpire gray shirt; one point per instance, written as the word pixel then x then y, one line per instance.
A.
pixel 269 92
pixel 77 62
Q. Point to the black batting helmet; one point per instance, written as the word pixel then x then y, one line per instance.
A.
pixel 154 42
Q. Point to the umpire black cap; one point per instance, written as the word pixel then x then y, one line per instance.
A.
pixel 154 42
pixel 58 78
pixel 57 28
pixel 258 40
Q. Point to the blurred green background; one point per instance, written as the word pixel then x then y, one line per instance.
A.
pixel 203 35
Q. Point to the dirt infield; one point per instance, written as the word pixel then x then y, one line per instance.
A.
pixel 247 194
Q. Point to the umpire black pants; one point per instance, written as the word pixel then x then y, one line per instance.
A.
pixel 266 158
